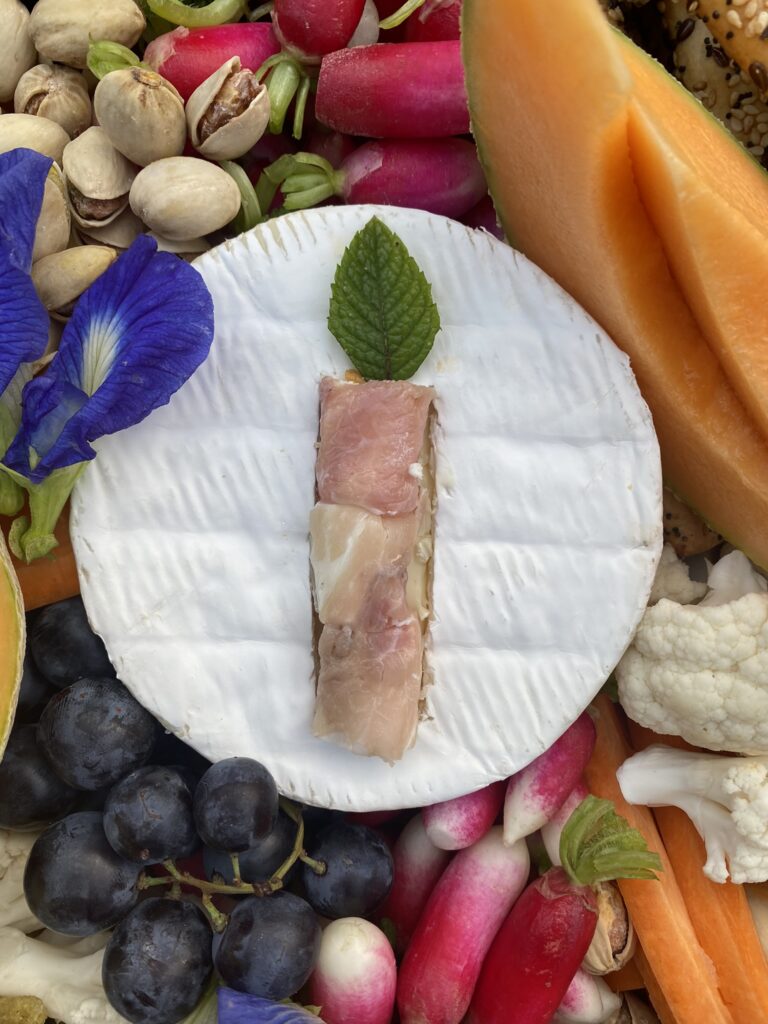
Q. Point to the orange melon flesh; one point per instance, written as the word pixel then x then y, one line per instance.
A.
pixel 549 100
pixel 708 202
pixel 12 640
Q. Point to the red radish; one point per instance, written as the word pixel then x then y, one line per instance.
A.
pixel 367 31
pixel 483 215
pixel 535 793
pixel 588 1000
pixel 456 824
pixel 438 175
pixel 187 56
pixel 437 19
pixel 335 148
pixel 418 866
pixel 458 925
pixel 551 832
pixel 309 29
pixel 355 976
pixel 546 935
pixel 396 90
pixel 265 152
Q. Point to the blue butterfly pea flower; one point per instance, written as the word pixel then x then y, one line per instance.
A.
pixel 240 1008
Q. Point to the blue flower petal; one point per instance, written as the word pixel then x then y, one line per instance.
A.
pixel 22 183
pixel 239 1008
pixel 136 335
pixel 23 320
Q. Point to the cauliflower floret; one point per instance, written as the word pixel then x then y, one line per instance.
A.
pixel 673 582
pixel 701 671
pixel 726 798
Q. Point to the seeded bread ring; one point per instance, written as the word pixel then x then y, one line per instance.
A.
pixel 741 29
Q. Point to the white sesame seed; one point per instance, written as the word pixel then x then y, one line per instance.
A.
pixel 750 108
pixel 764 140
pixel 749 123
pixel 755 136
pixel 758 151
pixel 739 3
pixel 733 19
pixel 736 125
pixel 734 97
pixel 751 9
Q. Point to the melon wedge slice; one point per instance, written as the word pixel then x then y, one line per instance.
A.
pixel 12 641
pixel 708 201
pixel 549 101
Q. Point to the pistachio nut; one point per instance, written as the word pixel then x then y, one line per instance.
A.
pixel 142 113
pixel 98 178
pixel 56 92
pixel 189 249
pixel 54 222
pixel 17 51
pixel 61 30
pixel 183 197
pixel 228 113
pixel 32 132
pixel 60 279
pixel 118 233
pixel 613 943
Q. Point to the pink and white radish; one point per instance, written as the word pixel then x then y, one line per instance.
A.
pixel 435 19
pixel 394 91
pixel 187 56
pixel 458 823
pixel 308 29
pixel 551 832
pixel 335 148
pixel 355 977
pixel 588 1000
pixel 418 864
pixel 367 31
pixel 535 793
pixel 437 175
pixel 458 925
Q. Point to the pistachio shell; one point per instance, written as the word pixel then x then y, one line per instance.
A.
pixel 189 248
pixel 228 113
pixel 32 132
pixel 53 224
pixel 118 234
pixel 56 92
pixel 94 170
pixel 613 944
pixel 60 279
pixel 17 51
pixel 142 114
pixel 61 30
pixel 182 197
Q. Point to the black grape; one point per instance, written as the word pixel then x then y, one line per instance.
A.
pixel 359 871
pixel 158 961
pixel 148 816
pixel 31 793
pixel 258 862
pixel 269 946
pixel 236 804
pixel 74 881
pixel 63 645
pixel 34 693
pixel 94 732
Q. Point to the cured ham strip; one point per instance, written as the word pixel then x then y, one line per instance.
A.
pixel 370 436
pixel 370 544
pixel 369 687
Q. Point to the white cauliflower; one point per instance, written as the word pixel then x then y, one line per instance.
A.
pixel 726 798
pixel 673 581
pixel 700 671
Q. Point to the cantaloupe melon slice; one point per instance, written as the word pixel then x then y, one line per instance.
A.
pixel 549 100
pixel 12 640
pixel 708 201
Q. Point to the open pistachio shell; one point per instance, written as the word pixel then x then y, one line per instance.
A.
pixel 182 197
pixel 32 132
pixel 118 234
pixel 17 51
pixel 98 178
pixel 54 222
pixel 613 944
pixel 142 113
pixel 60 279
pixel 56 92
pixel 61 30
pixel 228 113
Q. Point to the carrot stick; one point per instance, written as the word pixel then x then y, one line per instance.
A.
pixel 720 914
pixel 655 992
pixel 627 979
pixel 686 981
pixel 51 578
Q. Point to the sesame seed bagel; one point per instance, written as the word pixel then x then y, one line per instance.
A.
pixel 741 29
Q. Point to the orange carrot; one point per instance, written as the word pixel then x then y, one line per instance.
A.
pixel 628 979
pixel 51 578
pixel 720 914
pixel 655 992
pixel 686 984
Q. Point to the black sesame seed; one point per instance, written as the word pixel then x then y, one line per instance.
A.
pixel 684 29
pixel 759 75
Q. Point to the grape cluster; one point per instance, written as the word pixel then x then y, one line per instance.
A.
pixel 200 869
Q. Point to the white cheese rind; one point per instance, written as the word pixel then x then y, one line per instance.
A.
pixel 191 530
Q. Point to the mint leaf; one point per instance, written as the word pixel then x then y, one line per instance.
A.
pixel 598 845
pixel 382 312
